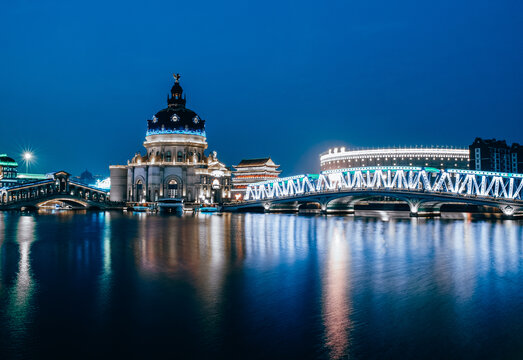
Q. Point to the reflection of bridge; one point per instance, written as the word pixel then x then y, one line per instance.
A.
pixel 425 190
pixel 58 188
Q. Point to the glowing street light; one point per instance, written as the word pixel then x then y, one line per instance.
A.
pixel 28 156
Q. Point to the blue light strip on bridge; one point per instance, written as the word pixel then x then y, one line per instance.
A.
pixel 477 172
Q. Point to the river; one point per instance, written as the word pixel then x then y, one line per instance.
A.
pixel 259 286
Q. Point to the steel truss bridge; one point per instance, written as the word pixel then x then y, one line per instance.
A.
pixel 425 190
pixel 58 187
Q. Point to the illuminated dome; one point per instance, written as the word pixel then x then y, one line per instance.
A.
pixel 176 118
pixel 6 160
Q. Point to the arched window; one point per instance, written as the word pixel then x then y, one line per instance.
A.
pixel 179 156
pixel 172 188
pixel 139 190
pixel 199 157
pixel 168 156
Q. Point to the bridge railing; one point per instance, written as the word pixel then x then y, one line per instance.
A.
pixel 464 183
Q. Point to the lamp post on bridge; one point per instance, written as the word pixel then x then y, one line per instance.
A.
pixel 28 157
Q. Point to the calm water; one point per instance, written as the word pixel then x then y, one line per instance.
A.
pixel 259 286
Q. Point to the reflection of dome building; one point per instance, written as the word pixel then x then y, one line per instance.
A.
pixel 175 164
pixel 436 157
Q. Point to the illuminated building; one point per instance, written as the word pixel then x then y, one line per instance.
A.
pixel 250 171
pixel 174 165
pixel 496 155
pixel 436 157
pixel 9 175
pixel 8 171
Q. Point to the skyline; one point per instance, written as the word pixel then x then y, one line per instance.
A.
pixel 316 78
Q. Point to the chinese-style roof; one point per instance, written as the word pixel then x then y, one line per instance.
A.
pixel 256 162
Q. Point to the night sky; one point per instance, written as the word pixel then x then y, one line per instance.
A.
pixel 287 79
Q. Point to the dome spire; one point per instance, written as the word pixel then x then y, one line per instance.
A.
pixel 176 99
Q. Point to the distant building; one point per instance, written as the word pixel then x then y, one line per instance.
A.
pixel 86 177
pixel 436 157
pixel 175 164
pixel 250 171
pixel 496 155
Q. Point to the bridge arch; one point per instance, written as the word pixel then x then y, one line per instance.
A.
pixel 64 200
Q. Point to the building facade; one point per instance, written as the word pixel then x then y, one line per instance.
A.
pixel 250 171
pixel 8 171
pixel 436 157
pixel 496 155
pixel 174 164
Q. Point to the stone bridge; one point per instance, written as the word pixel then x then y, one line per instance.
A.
pixel 58 187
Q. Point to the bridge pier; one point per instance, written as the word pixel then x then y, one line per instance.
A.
pixel 340 208
pixel 511 212
pixel 282 208
pixel 323 209
pixel 420 209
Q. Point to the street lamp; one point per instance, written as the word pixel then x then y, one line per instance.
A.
pixel 28 156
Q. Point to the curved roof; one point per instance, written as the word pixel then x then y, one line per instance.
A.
pixel 172 120
pixel 342 153
pixel 176 118
pixel 7 161
pixel 256 162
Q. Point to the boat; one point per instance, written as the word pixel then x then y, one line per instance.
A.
pixel 170 205
pixel 139 208
pixel 208 209
pixel 62 207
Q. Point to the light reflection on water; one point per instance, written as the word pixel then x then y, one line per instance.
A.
pixel 336 305
pixel 260 285
pixel 19 305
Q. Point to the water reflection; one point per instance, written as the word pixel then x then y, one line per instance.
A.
pixel 105 276
pixel 335 293
pixel 261 285
pixel 2 239
pixel 20 305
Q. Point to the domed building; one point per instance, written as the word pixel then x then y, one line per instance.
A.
pixel 174 164
pixel 8 171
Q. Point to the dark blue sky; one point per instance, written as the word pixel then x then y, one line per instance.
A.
pixel 287 79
